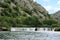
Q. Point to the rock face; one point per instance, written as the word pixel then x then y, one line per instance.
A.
pixel 21 12
pixel 56 15
pixel 37 9
pixel 30 4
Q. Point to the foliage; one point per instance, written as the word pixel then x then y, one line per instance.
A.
pixel 4 5
pixel 27 10
pixel 11 16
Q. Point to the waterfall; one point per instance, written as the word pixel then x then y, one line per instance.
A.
pixel 32 29
pixel 45 29
pixel 22 29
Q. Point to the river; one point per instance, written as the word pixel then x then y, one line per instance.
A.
pixel 29 35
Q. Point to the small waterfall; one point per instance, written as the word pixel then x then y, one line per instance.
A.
pixel 22 29
pixel 45 29
pixel 32 29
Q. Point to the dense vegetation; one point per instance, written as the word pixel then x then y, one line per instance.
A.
pixel 57 17
pixel 11 16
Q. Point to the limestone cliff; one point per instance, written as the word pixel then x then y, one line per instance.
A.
pixel 56 15
pixel 16 13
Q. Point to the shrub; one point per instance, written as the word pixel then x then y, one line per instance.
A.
pixel 27 10
pixel 4 5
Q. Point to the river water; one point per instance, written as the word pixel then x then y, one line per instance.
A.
pixel 30 35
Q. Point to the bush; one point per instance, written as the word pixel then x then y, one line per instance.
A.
pixel 50 22
pixel 35 10
pixel 4 5
pixel 7 1
pixel 32 21
pixel 57 29
pixel 27 10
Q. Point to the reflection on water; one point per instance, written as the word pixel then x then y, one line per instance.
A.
pixel 30 35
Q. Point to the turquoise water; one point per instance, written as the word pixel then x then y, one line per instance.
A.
pixel 30 35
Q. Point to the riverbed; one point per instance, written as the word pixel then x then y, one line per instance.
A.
pixel 29 35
